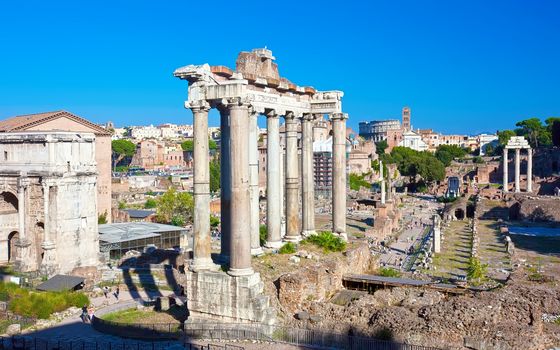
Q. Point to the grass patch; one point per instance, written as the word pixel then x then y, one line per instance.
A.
pixel 125 316
pixel 288 248
pixel 326 240
pixel 388 272
pixel 39 304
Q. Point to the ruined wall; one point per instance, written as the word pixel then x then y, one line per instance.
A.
pixel 321 281
pixel 535 209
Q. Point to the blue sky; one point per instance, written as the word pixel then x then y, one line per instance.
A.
pixel 462 66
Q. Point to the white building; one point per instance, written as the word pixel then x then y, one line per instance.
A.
pixel 414 141
pixel 145 132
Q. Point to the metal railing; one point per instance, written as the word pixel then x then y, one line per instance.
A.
pixel 38 343
pixel 250 332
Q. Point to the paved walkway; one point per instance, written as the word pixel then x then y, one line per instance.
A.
pixel 73 329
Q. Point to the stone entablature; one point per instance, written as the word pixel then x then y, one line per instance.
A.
pixel 51 180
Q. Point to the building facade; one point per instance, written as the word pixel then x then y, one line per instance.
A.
pixel 48 206
pixel 66 121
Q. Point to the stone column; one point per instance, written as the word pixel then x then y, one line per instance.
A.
pixel 505 170
pixel 201 226
pixel 22 257
pixel 225 185
pixel 382 182
pixel 339 174
pixel 529 170
pixel 292 180
pixel 47 265
pixel 273 193
pixel 282 192
pixel 240 252
pixel 307 178
pixel 437 233
pixel 254 184
pixel 517 170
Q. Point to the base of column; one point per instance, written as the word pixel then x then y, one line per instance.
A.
pixel 293 239
pixel 240 272
pixel 257 251
pixel 308 233
pixel 342 235
pixel 207 264
pixel 274 245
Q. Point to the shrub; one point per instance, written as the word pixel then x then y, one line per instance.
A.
pixel 288 248
pixel 263 232
pixel 326 240
pixel 214 221
pixel 388 272
pixel 476 271
pixel 39 304
pixel 150 203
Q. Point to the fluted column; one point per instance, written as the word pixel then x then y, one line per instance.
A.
pixel 530 170
pixel 240 252
pixel 225 185
pixel 505 170
pixel 273 193
pixel 201 226
pixel 339 174
pixel 382 181
pixel 292 180
pixel 307 183
pixel 517 170
pixel 21 211
pixel 254 184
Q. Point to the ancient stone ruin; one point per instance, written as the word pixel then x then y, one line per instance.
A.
pixel 254 88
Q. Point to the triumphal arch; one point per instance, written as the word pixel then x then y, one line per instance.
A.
pixel 255 88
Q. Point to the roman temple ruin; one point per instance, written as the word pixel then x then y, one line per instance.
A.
pixel 518 143
pixel 255 88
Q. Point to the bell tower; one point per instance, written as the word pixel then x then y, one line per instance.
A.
pixel 406 119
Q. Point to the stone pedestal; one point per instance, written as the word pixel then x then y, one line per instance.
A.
pixel 48 265
pixel 23 257
pixel 216 295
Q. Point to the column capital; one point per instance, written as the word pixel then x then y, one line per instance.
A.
pixel 271 113
pixel 309 117
pixel 23 182
pixel 290 117
pixel 339 116
pixel 234 102
pixel 198 106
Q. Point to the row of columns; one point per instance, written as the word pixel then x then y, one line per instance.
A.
pixel 518 170
pixel 239 183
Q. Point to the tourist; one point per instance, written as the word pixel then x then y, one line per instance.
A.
pixel 90 311
pixel 105 291
pixel 117 293
pixel 84 315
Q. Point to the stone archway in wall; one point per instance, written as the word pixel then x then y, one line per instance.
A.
pixel 8 202
pixel 459 213
pixel 13 238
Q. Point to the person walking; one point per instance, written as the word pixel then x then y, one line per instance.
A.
pixel 84 315
pixel 106 291
pixel 117 293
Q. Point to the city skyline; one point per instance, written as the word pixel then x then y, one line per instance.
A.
pixel 461 68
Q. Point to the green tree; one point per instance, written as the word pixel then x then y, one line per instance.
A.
pixel 504 136
pixel 122 149
pixel 381 146
pixel 214 221
pixel 535 132
pixel 102 218
pixel 189 145
pixel 356 181
pixel 214 175
pixel 175 207
pixel 446 153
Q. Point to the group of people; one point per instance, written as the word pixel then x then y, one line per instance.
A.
pixel 87 311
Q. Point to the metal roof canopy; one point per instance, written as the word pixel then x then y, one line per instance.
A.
pixel 131 231
pixel 60 283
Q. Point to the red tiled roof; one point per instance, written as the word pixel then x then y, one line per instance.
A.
pixel 24 122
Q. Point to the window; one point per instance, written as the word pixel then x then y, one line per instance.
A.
pixel 5 155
